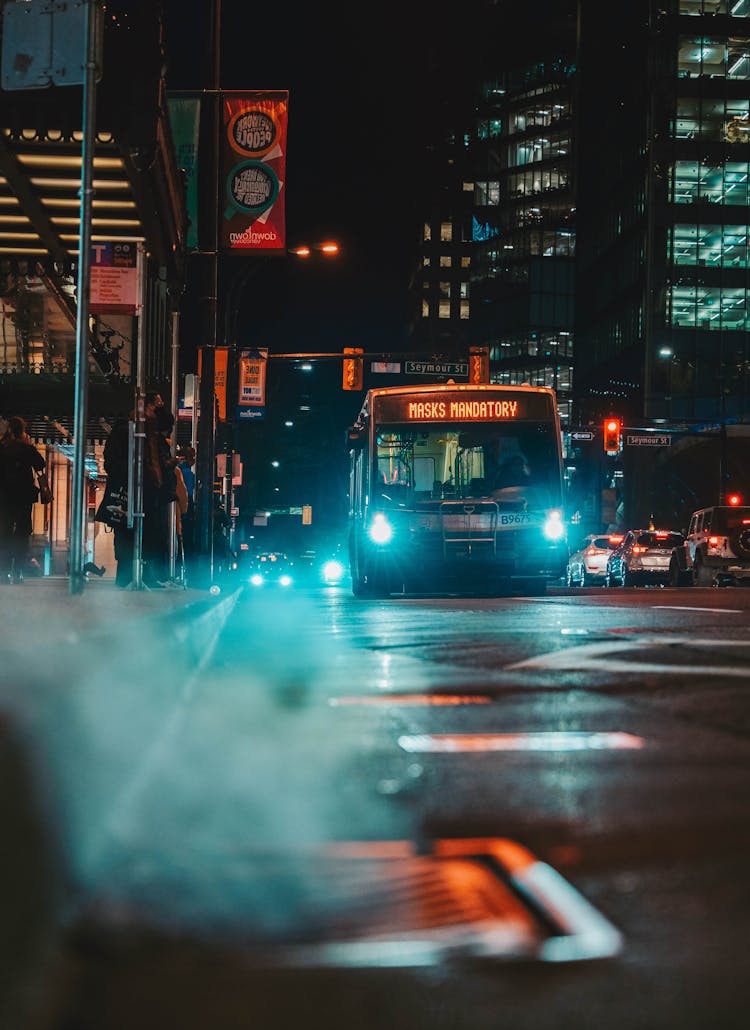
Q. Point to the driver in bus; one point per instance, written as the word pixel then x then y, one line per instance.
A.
pixel 513 472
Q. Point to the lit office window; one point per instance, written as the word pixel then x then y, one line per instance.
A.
pixel 733 8
pixel 468 187
pixel 444 309
pixel 445 289
pixel 446 232
pixel 709 308
pixel 445 261
pixel 425 309
pixel 464 309
pixel 427 231
pixel 465 262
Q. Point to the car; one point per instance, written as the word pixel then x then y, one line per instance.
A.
pixel 588 564
pixel 642 557
pixel 715 550
pixel 271 569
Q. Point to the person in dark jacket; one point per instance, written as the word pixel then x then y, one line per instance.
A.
pixel 21 467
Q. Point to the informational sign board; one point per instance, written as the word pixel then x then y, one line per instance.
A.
pixel 114 279
pixel 581 435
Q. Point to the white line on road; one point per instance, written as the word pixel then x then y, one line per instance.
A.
pixel 691 608
pixel 554 740
pixel 593 658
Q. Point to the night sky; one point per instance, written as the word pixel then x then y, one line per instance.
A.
pixel 367 94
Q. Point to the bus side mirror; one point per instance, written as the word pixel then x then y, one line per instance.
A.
pixel 355 441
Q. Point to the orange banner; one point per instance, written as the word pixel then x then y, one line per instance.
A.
pixel 254 127
pixel 221 360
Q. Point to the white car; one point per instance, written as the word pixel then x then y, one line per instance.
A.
pixel 588 565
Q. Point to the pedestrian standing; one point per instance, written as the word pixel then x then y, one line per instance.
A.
pixel 22 467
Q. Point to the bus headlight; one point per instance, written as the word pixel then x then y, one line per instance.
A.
pixel 380 530
pixel 333 571
pixel 285 581
pixel 256 579
pixel 553 526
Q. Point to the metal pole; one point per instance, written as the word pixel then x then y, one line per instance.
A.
pixel 79 506
pixel 140 423
pixel 175 400
pixel 205 464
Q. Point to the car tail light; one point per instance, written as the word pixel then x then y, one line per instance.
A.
pixel 662 536
pixel 713 541
pixel 637 549
pixel 592 550
pixel 615 540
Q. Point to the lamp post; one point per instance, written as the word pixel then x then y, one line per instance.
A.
pixel 231 298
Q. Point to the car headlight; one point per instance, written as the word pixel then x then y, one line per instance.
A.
pixel 380 530
pixel 554 529
pixel 285 580
pixel 256 579
pixel 333 571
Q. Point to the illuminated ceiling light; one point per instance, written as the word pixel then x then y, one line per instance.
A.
pixel 27 250
pixel 15 219
pixel 19 236
pixel 119 205
pixel 28 133
pixel 77 135
pixel 9 201
pixel 54 135
pixel 104 136
pixel 75 184
pixel 104 238
pixel 66 161
pixel 123 223
pixel 535 741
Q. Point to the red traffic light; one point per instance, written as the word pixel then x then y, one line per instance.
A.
pixel 734 500
pixel 612 432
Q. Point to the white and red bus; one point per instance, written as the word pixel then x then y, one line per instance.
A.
pixel 456 489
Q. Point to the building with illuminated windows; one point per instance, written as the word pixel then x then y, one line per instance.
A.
pixel 663 224
pixel 601 193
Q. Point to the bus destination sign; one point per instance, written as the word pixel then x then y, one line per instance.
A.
pixel 449 407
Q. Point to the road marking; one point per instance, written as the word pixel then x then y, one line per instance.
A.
pixel 590 657
pixel 444 743
pixel 691 608
pixel 412 699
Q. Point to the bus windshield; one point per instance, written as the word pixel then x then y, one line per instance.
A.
pixel 515 464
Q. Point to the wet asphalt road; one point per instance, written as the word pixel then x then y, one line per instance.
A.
pixel 607 732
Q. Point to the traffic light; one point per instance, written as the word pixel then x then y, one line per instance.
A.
pixel 612 428
pixel 479 365
pixel 734 499
pixel 353 375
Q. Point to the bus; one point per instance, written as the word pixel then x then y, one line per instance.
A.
pixel 456 488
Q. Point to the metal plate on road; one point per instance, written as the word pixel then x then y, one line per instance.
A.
pixel 437 368
pixel 380 904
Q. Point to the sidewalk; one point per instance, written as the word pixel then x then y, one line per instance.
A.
pixel 46 604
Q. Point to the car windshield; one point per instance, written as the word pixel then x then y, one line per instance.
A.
pixel 602 543
pixel 659 539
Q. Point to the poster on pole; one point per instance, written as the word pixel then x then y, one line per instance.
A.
pixel 251 399
pixel 114 279
pixel 253 169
